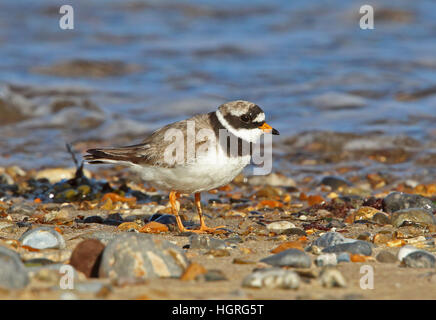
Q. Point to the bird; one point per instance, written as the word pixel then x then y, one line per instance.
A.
pixel 175 159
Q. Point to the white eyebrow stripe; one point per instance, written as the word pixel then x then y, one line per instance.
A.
pixel 260 117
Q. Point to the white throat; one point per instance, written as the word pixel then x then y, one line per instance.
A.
pixel 249 135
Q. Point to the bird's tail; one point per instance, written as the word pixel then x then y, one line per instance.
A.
pixel 127 154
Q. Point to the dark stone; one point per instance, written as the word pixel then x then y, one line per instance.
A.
pixel 386 257
pixel 290 258
pixel 156 198
pixel 24 224
pixel 356 247
pixel 335 182
pixel 140 196
pixel 116 217
pixel 155 216
pixel 398 200
pixel 86 257
pixel 112 222
pixel 242 200
pixel 381 218
pixel 93 219
pixel 295 231
pixel 167 219
pixel 420 259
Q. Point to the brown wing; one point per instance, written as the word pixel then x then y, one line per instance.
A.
pixel 151 150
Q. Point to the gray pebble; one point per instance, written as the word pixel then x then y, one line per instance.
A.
pixel 398 200
pixel 343 257
pixel 417 215
pixel 43 238
pixel 197 241
pixel 141 256
pixel 272 278
pixel 328 259
pixel 357 247
pixel 386 257
pixel 13 274
pixel 290 258
pixel 329 239
pixel 420 259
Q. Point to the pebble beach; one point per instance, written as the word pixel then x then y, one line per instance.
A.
pixel 348 211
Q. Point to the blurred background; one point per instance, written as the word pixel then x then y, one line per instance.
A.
pixel 334 91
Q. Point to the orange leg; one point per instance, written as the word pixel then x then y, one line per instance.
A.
pixel 175 207
pixel 203 227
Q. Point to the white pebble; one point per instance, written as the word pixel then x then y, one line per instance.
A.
pixel 405 251
pixel 280 226
pixel 328 259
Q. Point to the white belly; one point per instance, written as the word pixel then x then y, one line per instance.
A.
pixel 202 175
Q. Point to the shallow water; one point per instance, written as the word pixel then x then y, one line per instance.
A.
pixel 307 63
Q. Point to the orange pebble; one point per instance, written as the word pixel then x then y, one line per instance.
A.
pixel 357 258
pixel 154 227
pixel 314 199
pixel 287 198
pixel 117 198
pixel 193 271
pixel 127 226
pixel 270 203
pixel 288 245
pixel 396 243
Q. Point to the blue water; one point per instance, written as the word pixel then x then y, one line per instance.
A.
pixel 193 55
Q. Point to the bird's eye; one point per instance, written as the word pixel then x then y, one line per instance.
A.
pixel 245 118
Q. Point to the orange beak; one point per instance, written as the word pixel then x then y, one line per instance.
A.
pixel 267 128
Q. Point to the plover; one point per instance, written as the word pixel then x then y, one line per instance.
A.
pixel 194 169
